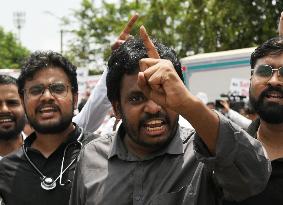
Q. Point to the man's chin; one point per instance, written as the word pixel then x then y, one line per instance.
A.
pixel 271 112
pixel 9 135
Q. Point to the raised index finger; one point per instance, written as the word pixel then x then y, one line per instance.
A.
pixel 127 30
pixel 151 50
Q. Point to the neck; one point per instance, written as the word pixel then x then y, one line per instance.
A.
pixel 48 143
pixel 8 146
pixel 271 137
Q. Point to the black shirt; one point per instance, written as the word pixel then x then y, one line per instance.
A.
pixel 273 193
pixel 20 183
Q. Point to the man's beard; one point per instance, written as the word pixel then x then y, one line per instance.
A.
pixel 14 133
pixel 134 134
pixel 270 112
pixel 54 127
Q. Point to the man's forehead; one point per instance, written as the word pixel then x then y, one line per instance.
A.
pixel 8 88
pixel 272 59
pixel 129 82
pixel 9 91
pixel 48 75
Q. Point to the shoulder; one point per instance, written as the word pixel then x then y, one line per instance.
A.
pixel 98 149
pixel 100 142
pixel 11 162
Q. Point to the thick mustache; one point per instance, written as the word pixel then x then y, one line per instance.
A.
pixel 148 117
pixel 55 107
pixel 270 89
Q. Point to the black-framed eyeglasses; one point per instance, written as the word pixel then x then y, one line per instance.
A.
pixel 265 72
pixel 57 90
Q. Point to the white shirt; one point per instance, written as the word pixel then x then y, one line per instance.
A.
pixel 238 119
pixel 96 107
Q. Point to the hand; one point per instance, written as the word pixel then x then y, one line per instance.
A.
pixel 158 79
pixel 280 25
pixel 226 106
pixel 125 34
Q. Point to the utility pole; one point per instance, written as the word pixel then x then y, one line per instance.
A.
pixel 61 30
pixel 19 21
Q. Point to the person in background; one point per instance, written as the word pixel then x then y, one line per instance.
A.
pixel 151 160
pixel 12 116
pixel 233 115
pixel 211 105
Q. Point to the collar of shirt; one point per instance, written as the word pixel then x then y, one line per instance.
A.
pixel 119 149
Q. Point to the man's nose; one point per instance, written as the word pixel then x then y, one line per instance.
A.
pixel 152 107
pixel 275 79
pixel 4 108
pixel 46 93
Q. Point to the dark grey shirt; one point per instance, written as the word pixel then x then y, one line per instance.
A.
pixel 182 173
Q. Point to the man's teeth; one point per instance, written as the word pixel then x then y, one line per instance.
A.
pixel 274 95
pixel 47 109
pixel 154 128
pixel 154 125
pixel 5 120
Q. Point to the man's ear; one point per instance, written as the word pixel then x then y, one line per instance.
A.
pixel 116 110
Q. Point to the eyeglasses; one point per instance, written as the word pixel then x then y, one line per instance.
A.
pixel 265 72
pixel 57 90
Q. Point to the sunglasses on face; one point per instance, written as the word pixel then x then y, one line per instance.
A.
pixel 265 72
pixel 57 90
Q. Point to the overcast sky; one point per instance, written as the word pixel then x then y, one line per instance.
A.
pixel 41 30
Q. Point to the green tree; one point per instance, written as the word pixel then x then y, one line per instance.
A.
pixel 193 26
pixel 12 53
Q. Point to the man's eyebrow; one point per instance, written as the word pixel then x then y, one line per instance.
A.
pixel 135 92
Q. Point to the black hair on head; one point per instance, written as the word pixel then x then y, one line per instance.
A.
pixel 125 60
pixel 273 46
pixel 47 59
pixel 7 80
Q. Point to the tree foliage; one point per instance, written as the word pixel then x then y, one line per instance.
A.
pixel 12 53
pixel 189 26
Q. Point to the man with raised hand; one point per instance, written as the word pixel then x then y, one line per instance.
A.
pixel 151 160
pixel 12 116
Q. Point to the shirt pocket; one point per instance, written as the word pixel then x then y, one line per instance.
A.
pixel 186 195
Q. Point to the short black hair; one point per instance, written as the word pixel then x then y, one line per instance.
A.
pixel 273 46
pixel 125 60
pixel 7 80
pixel 46 59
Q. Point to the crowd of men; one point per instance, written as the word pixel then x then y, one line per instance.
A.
pixel 151 159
